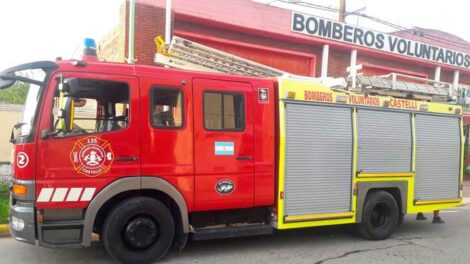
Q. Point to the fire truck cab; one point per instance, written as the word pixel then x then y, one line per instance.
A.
pixel 144 156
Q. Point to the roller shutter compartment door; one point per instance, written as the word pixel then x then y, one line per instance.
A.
pixel 438 150
pixel 318 164
pixel 384 141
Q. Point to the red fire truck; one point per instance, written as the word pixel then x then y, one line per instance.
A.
pixel 145 156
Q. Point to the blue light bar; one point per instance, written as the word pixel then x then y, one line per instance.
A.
pixel 89 43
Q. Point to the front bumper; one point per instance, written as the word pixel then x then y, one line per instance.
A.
pixel 22 225
pixel 59 228
pixel 22 213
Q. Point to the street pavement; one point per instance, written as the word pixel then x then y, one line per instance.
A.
pixel 414 242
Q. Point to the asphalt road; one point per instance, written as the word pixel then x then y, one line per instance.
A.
pixel 414 242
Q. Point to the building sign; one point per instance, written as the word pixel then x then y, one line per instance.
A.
pixel 324 28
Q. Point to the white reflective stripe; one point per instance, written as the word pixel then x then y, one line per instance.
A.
pixel 74 194
pixel 45 194
pixel 87 194
pixel 59 194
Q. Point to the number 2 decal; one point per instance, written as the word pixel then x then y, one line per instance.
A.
pixel 22 160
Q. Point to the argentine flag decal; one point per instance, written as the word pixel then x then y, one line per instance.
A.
pixel 224 148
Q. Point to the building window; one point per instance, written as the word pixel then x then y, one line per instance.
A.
pixel 167 107
pixel 224 111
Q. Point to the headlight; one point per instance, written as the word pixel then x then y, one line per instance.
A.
pixel 17 224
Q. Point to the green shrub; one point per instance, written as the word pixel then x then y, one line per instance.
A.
pixel 4 201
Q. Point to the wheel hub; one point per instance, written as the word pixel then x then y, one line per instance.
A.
pixel 140 232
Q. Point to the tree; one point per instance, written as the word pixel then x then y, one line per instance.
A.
pixel 15 94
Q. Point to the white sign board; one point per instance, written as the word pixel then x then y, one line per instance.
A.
pixel 324 28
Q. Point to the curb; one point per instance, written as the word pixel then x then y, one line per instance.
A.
pixel 4 230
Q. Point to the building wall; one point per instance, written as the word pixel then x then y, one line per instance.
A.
pixel 284 55
pixel 465 79
pixel 338 61
pixel 382 66
pixel 150 21
pixel 262 33
pixel 10 115
pixel 113 46
pixel 110 49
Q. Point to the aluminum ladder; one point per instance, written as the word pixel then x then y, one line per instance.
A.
pixel 405 86
pixel 185 54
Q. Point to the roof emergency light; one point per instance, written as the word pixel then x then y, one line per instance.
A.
pixel 89 50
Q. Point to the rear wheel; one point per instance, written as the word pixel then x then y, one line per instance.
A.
pixel 138 230
pixel 380 216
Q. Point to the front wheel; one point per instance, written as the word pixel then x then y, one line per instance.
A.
pixel 138 230
pixel 380 216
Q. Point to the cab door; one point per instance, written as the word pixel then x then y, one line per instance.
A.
pixel 103 146
pixel 223 144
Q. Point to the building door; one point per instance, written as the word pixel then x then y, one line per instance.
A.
pixel 223 144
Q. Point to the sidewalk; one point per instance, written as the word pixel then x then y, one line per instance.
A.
pixel 466 192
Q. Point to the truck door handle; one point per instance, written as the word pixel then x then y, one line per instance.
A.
pixel 244 158
pixel 126 158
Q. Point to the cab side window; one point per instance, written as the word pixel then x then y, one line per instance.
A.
pixel 99 106
pixel 167 107
pixel 224 111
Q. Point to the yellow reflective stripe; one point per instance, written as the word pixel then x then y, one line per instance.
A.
pixel 318 217
pixel 397 174
pixel 458 200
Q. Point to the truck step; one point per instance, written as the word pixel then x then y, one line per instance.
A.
pixel 218 232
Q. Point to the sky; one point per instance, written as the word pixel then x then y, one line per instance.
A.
pixel 34 30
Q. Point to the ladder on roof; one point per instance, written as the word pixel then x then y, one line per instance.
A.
pixel 463 96
pixel 185 54
pixel 188 55
pixel 405 86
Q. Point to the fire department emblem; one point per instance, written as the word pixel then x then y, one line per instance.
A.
pixel 91 156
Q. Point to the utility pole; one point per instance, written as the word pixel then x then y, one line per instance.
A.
pixel 130 52
pixel 168 22
pixel 342 10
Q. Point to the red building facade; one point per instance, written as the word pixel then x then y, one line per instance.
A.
pixel 267 35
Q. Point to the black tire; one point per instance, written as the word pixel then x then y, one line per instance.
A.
pixel 138 230
pixel 380 216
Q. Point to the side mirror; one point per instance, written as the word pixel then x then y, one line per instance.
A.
pixel 5 82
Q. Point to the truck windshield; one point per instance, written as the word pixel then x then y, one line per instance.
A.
pixel 31 104
pixel 30 80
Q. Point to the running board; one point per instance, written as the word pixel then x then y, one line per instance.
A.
pixel 207 233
